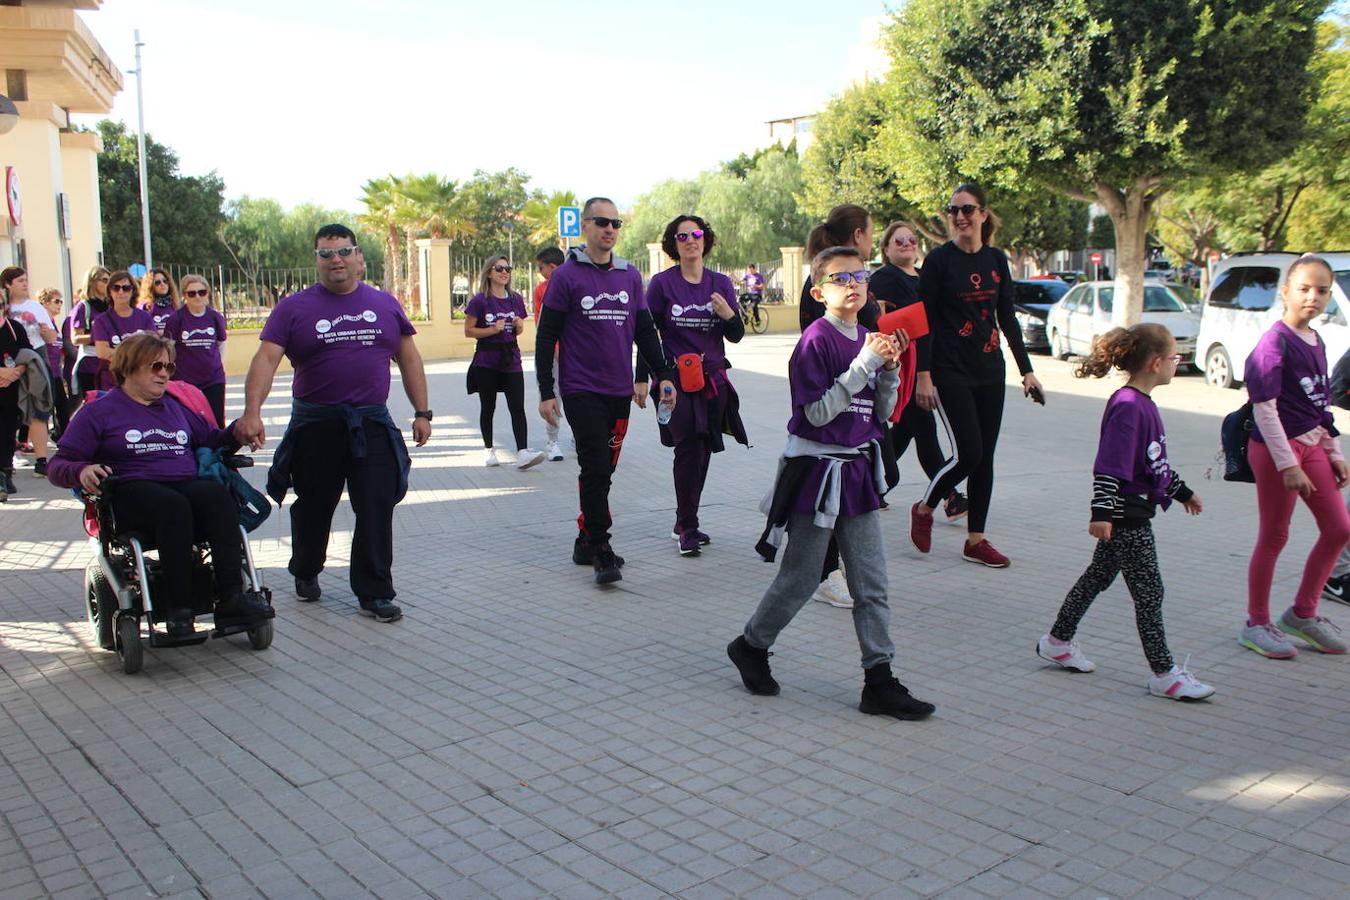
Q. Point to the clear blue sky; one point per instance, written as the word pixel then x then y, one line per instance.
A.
pixel 303 101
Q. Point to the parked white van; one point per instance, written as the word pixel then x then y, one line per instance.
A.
pixel 1243 303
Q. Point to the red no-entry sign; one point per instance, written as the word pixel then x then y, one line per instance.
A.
pixel 1096 258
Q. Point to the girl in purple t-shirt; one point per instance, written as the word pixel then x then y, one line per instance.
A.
pixel 1294 452
pixel 1130 478
pixel 495 317
pixel 695 310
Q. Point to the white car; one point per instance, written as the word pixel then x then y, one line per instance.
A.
pixel 1084 314
pixel 1243 302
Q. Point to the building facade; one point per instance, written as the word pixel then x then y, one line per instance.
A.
pixel 50 222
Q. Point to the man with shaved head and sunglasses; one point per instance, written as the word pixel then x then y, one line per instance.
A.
pixel 340 335
pixel 595 304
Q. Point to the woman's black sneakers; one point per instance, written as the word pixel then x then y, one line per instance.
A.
pixel 883 695
pixel 753 664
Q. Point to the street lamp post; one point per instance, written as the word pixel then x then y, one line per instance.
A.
pixel 140 153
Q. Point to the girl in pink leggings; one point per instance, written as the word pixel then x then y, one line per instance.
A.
pixel 1294 453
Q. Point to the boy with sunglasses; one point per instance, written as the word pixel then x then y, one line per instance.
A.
pixel 844 382
pixel 594 311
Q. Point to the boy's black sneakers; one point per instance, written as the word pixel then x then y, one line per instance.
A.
pixel 884 695
pixel 607 565
pixel 40 467
pixel 753 664
pixel 1337 588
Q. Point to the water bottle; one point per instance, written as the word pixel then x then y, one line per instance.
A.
pixel 663 412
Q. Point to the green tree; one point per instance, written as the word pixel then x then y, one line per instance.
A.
pixel 1113 102
pixel 646 220
pixel 495 201
pixel 379 198
pixel 539 217
pixel 1038 223
pixel 186 211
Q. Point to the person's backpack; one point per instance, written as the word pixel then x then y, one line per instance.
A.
pixel 1340 382
pixel 1233 436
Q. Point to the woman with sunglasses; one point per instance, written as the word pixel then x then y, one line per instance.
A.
pixel 895 286
pixel 121 321
pixel 84 375
pixel 696 313
pixel 967 291
pixel 197 332
pixel 158 297
pixel 149 441
pixel 494 318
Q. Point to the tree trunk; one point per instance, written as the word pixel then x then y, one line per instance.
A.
pixel 414 282
pixel 1129 211
pixel 391 280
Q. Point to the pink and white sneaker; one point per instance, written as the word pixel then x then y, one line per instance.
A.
pixel 1179 684
pixel 1065 654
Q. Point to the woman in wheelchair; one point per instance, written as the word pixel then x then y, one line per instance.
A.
pixel 148 441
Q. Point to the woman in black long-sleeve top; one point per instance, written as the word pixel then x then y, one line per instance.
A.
pixel 967 291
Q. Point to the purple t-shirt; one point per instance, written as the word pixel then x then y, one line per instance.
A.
pixel 487 310
pixel 339 344
pixel 197 340
pixel 600 308
pixel 138 442
pixel 160 314
pixel 683 313
pixel 1133 446
pixel 114 329
pixel 821 356
pixel 1293 373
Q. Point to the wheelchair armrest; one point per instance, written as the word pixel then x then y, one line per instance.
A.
pixel 232 461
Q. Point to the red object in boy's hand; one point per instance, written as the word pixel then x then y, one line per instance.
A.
pixel 912 319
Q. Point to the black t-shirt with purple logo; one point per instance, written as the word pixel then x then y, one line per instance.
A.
pixel 969 299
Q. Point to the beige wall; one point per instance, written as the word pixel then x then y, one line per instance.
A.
pixel 33 148
pixel 79 174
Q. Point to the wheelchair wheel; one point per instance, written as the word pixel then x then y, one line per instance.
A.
pixel 260 638
pixel 129 643
pixel 100 606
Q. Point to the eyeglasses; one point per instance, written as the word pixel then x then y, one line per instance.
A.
pixel 500 269
pixel 841 279
pixel 682 236
pixel 200 292
pixel 160 365
pixel 122 286
pixel 906 241
pixel 330 252
pixel 604 222
pixel 965 209
pixel 160 282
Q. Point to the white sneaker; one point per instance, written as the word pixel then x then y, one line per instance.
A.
pixel 1179 684
pixel 1065 655
pixel 527 457
pixel 490 458
pixel 554 451
pixel 834 591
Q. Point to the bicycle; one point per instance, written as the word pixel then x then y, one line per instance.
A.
pixel 755 319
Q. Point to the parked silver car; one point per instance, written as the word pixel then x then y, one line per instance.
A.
pixel 1084 314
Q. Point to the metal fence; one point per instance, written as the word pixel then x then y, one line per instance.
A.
pixel 246 296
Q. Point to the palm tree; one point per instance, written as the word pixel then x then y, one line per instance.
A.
pixel 541 217
pixel 380 199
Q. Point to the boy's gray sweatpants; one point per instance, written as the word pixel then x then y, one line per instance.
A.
pixel 861 549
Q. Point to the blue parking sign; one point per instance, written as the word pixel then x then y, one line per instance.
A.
pixel 569 221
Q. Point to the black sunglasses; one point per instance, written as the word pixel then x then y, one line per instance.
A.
pixel 330 252
pixel 121 286
pixel 604 222
pixel 965 209
pixel 201 292
pixel 160 365
pixel 501 268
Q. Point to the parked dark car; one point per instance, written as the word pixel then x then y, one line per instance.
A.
pixel 1032 305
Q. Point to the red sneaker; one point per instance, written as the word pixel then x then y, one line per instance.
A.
pixel 985 554
pixel 920 529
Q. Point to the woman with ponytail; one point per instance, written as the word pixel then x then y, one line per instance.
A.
pixel 967 290
pixel 1130 479
pixel 847 225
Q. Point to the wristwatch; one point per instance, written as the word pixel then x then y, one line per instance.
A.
pixel 422 414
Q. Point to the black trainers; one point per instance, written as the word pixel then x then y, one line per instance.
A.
pixel 753 665
pixel 956 507
pixel 243 606
pixel 179 623
pixel 381 610
pixel 40 467
pixel 884 695
pixel 607 565
pixel 307 589
pixel 1337 588
pixel 7 481
pixel 583 554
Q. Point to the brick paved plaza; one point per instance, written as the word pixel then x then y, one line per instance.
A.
pixel 524 733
